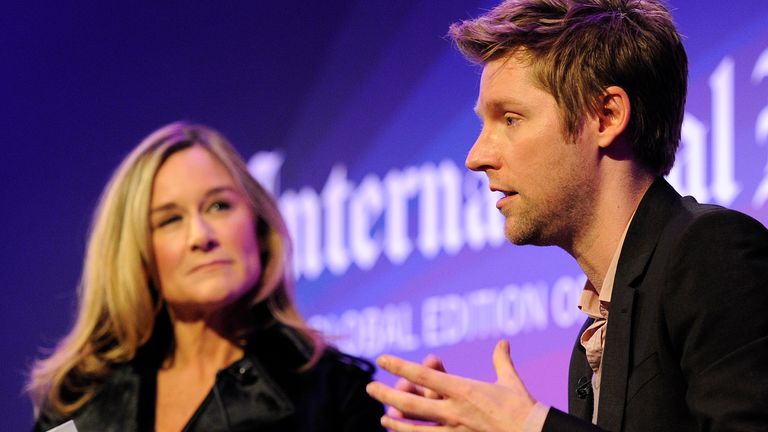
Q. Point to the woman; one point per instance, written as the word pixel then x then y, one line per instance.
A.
pixel 186 320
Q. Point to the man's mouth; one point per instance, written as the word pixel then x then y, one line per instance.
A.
pixel 505 194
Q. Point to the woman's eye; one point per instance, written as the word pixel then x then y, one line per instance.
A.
pixel 219 206
pixel 168 220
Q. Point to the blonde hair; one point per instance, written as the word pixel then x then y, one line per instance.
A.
pixel 118 301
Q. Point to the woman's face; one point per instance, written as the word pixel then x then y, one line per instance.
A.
pixel 203 234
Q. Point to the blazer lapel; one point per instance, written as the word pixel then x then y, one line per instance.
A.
pixel 639 244
pixel 580 402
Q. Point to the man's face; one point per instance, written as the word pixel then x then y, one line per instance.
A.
pixel 547 180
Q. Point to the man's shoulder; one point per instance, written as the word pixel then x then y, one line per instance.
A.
pixel 693 219
pixel 664 211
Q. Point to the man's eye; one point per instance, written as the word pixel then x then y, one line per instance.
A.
pixel 510 120
pixel 219 206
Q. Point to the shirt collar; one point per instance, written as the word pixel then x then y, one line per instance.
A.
pixel 595 302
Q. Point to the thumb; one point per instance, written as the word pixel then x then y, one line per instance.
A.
pixel 502 362
pixel 508 377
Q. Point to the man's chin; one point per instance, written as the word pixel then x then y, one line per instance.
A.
pixel 523 235
pixel 517 237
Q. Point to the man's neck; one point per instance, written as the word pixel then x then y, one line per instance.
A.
pixel 595 244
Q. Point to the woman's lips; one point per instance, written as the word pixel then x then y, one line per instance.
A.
pixel 210 265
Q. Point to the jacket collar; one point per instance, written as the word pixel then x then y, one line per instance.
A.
pixel 651 216
pixel 244 397
pixel 247 394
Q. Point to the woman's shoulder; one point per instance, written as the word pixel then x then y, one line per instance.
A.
pixel 334 359
pixel 330 390
pixel 114 402
pixel 288 359
pixel 342 381
pixel 287 350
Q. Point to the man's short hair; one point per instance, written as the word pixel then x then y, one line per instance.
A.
pixel 578 48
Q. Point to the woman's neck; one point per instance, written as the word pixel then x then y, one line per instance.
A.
pixel 206 344
pixel 196 345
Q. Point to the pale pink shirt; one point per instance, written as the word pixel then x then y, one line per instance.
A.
pixel 596 305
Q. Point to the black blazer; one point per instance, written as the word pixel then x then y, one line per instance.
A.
pixel 261 392
pixel 687 339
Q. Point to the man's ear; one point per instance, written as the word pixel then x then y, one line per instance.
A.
pixel 612 116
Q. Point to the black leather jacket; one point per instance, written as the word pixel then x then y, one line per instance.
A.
pixel 263 391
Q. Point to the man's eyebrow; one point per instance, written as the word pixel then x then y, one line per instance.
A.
pixel 483 108
pixel 504 104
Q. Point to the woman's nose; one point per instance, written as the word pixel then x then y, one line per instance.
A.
pixel 201 235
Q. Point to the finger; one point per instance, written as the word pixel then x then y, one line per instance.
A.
pixel 395 413
pixel 397 425
pixel 403 384
pixel 409 405
pixel 438 381
pixel 502 363
pixel 433 362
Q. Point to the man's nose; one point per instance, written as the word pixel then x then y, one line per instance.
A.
pixel 482 156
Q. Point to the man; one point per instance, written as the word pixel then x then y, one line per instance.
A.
pixel 582 104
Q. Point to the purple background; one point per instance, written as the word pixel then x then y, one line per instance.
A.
pixel 372 86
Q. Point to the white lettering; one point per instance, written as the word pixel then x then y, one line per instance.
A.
pixel 483 224
pixel 365 208
pixel 335 194
pixel 760 72
pixel 401 186
pixel 265 167
pixel 724 187
pixel 302 215
pixel 445 320
pixel 692 159
pixel 565 296
pixel 522 309
pixel 370 331
pixel 449 319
